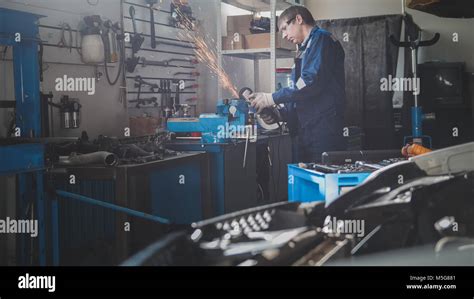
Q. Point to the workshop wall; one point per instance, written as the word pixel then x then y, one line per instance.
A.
pixel 338 9
pixel 102 113
pixel 107 112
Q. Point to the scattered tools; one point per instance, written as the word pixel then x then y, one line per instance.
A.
pixel 152 23
pixel 136 40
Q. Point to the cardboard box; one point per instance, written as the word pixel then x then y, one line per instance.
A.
pixel 233 42
pixel 239 24
pixel 142 126
pixel 262 40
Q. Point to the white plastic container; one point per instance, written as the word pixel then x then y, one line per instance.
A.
pixel 92 49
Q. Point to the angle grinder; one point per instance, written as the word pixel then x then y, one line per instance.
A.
pixel 244 95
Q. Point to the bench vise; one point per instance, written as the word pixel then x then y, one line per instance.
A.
pixel 232 120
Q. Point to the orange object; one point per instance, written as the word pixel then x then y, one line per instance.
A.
pixel 412 150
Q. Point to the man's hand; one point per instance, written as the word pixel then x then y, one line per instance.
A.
pixel 260 101
pixel 271 116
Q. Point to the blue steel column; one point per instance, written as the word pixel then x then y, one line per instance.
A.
pixel 41 218
pixel 55 229
pixel 20 30
pixel 22 205
pixel 23 33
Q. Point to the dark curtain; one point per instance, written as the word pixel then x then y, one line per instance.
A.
pixel 370 56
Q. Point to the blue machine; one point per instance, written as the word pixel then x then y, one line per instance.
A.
pixel 19 30
pixel 306 185
pixel 232 117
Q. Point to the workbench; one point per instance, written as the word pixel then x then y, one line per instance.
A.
pixel 176 189
pixel 274 154
pixel 238 185
pixel 233 181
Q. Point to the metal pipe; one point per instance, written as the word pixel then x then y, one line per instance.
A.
pixel 114 207
pixel 414 65
pixel 106 158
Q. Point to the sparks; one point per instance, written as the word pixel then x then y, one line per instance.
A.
pixel 207 55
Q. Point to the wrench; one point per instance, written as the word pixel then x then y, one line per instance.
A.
pixel 152 23
pixel 137 39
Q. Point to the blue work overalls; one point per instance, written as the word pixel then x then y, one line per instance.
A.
pixel 314 103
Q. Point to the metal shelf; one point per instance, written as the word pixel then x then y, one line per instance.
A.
pixel 257 5
pixel 270 53
pixel 253 54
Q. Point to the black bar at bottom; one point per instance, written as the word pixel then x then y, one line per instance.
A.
pixel 216 282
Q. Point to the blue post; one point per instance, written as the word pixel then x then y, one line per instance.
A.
pixel 20 31
pixel 22 250
pixel 417 119
pixel 41 218
pixel 55 229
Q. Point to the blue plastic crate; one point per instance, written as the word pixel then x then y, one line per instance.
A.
pixel 305 185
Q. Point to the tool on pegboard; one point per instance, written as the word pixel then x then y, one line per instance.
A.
pixel 193 74
pixel 136 40
pixel 152 23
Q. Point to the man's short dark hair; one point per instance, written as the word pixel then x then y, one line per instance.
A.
pixel 291 13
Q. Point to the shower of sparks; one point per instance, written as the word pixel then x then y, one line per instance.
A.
pixel 206 55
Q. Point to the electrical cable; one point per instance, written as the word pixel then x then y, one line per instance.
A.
pixel 118 73
pixel 120 40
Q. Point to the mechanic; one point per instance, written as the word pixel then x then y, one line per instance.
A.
pixel 313 106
